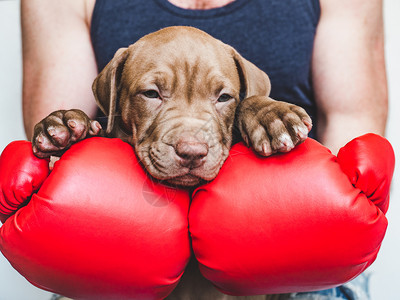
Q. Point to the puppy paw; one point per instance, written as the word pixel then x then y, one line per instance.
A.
pixel 61 129
pixel 271 126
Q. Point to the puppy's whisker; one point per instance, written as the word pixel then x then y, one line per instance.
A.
pixel 106 117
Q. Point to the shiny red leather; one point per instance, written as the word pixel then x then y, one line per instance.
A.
pixel 301 221
pixel 369 164
pixel 98 228
pixel 21 174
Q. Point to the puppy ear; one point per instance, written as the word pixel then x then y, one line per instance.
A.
pixel 105 86
pixel 253 81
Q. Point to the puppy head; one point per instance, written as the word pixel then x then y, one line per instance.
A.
pixel 176 92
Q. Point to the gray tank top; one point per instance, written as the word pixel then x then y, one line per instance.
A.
pixel 276 35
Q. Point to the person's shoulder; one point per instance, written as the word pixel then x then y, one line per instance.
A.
pixel 78 9
pixel 357 7
pixel 89 6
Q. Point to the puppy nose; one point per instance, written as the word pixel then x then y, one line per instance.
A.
pixel 191 152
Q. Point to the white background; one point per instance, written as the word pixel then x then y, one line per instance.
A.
pixel 385 281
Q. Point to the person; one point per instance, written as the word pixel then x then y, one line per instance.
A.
pixel 327 56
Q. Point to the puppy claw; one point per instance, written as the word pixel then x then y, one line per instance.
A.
pixel 95 128
pixel 302 132
pixel 51 132
pixel 308 123
pixel 246 141
pixel 39 140
pixel 71 124
pixel 266 148
pixel 286 143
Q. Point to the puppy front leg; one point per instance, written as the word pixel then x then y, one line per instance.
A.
pixel 61 129
pixel 271 126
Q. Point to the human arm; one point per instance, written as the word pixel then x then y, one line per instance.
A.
pixel 58 59
pixel 348 69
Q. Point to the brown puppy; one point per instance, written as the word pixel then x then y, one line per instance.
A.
pixel 173 94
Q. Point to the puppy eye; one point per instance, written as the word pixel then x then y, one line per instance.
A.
pixel 151 94
pixel 224 98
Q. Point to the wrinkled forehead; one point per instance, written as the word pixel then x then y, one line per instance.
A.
pixel 192 54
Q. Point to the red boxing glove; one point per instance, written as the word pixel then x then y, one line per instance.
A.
pixel 99 228
pixel 21 174
pixel 292 222
pixel 369 163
